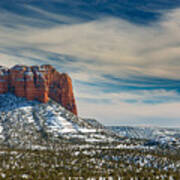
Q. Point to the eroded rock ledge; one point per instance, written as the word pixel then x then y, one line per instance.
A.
pixel 38 83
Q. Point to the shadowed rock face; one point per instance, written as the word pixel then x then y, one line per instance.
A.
pixel 38 83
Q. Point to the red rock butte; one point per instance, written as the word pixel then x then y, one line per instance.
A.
pixel 38 83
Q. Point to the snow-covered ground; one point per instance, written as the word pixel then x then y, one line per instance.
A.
pixel 49 136
pixel 33 124
pixel 158 134
pixel 26 121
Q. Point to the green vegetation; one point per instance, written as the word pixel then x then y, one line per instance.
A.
pixel 86 162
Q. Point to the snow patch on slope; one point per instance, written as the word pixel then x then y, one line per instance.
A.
pixel 162 135
pixel 60 124
pixel 22 120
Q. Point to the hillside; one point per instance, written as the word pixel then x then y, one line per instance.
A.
pixel 28 124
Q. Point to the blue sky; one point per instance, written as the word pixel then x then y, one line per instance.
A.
pixel 123 56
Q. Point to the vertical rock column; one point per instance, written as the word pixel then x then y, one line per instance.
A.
pixel 42 87
pixel 62 92
pixel 17 80
pixel 30 90
pixel 4 75
pixel 67 96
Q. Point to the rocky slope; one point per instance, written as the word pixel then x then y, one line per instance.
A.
pixel 31 123
pixel 38 83
pixel 44 140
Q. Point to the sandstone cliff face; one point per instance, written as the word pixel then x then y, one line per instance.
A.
pixel 38 83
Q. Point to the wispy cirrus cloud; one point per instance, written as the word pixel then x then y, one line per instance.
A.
pixel 141 107
pixel 116 45
pixel 121 70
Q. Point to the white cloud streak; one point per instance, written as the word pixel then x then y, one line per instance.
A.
pixel 166 114
pixel 105 46
pixel 119 47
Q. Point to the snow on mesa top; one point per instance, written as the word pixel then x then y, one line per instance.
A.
pixel 38 83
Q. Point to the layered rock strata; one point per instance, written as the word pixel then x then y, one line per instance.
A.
pixel 38 83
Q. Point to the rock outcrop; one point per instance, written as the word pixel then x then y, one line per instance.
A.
pixel 38 83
